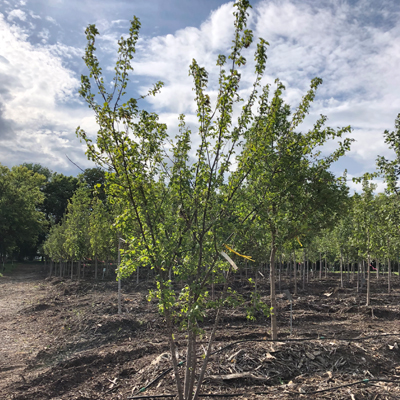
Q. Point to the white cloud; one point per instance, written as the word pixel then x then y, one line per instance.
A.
pixel 358 61
pixel 34 16
pixel 44 34
pixel 52 20
pixel 16 14
pixel 41 102
pixel 357 187
pixel 340 42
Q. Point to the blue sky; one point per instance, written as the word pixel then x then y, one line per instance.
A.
pixel 354 46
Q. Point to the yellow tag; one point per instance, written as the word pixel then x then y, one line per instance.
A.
pixel 240 255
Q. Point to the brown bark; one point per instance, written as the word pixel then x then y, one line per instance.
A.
pixel 274 328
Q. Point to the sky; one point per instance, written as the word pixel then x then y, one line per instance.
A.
pixel 353 45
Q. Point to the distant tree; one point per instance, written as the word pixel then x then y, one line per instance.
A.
pixel 95 180
pixel 390 169
pixel 58 191
pixel 77 232
pixel 364 224
pixel 39 169
pixel 21 222
pixel 103 235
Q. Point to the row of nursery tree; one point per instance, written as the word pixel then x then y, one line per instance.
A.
pixel 364 237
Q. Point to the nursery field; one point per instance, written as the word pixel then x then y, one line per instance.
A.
pixel 65 340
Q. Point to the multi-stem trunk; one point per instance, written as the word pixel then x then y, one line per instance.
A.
pixel 172 346
pixel 191 361
pixel 211 340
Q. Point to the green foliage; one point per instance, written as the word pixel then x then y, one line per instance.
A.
pixel 21 222
pixel 95 180
pixel 391 169
pixel 77 241
pixel 58 191
pixel 176 216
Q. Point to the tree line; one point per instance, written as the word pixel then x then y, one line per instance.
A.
pixel 33 199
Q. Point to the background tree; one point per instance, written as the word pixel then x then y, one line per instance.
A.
pixel 102 232
pixel 364 210
pixel 390 169
pixel 291 188
pixel 77 240
pixel 21 222
pixel 94 179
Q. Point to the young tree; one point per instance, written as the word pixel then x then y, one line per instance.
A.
pixel 54 246
pixel 364 210
pixel 102 232
pixel 77 240
pixel 291 189
pixel 178 215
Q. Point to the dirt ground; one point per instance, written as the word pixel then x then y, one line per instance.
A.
pixel 64 340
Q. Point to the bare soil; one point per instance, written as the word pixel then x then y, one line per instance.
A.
pixel 61 339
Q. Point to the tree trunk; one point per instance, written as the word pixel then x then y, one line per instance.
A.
pixel 304 271
pixel 274 328
pixel 320 266
pixel 96 266
pixel 295 273
pixel 119 278
pixel 279 272
pixel 172 347
pixel 368 280
pixel 341 269
pixel 211 340
pixel 191 361
pixel 389 274
pixel 255 286
pixel 377 270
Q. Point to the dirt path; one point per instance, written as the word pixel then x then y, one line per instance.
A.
pixel 20 337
